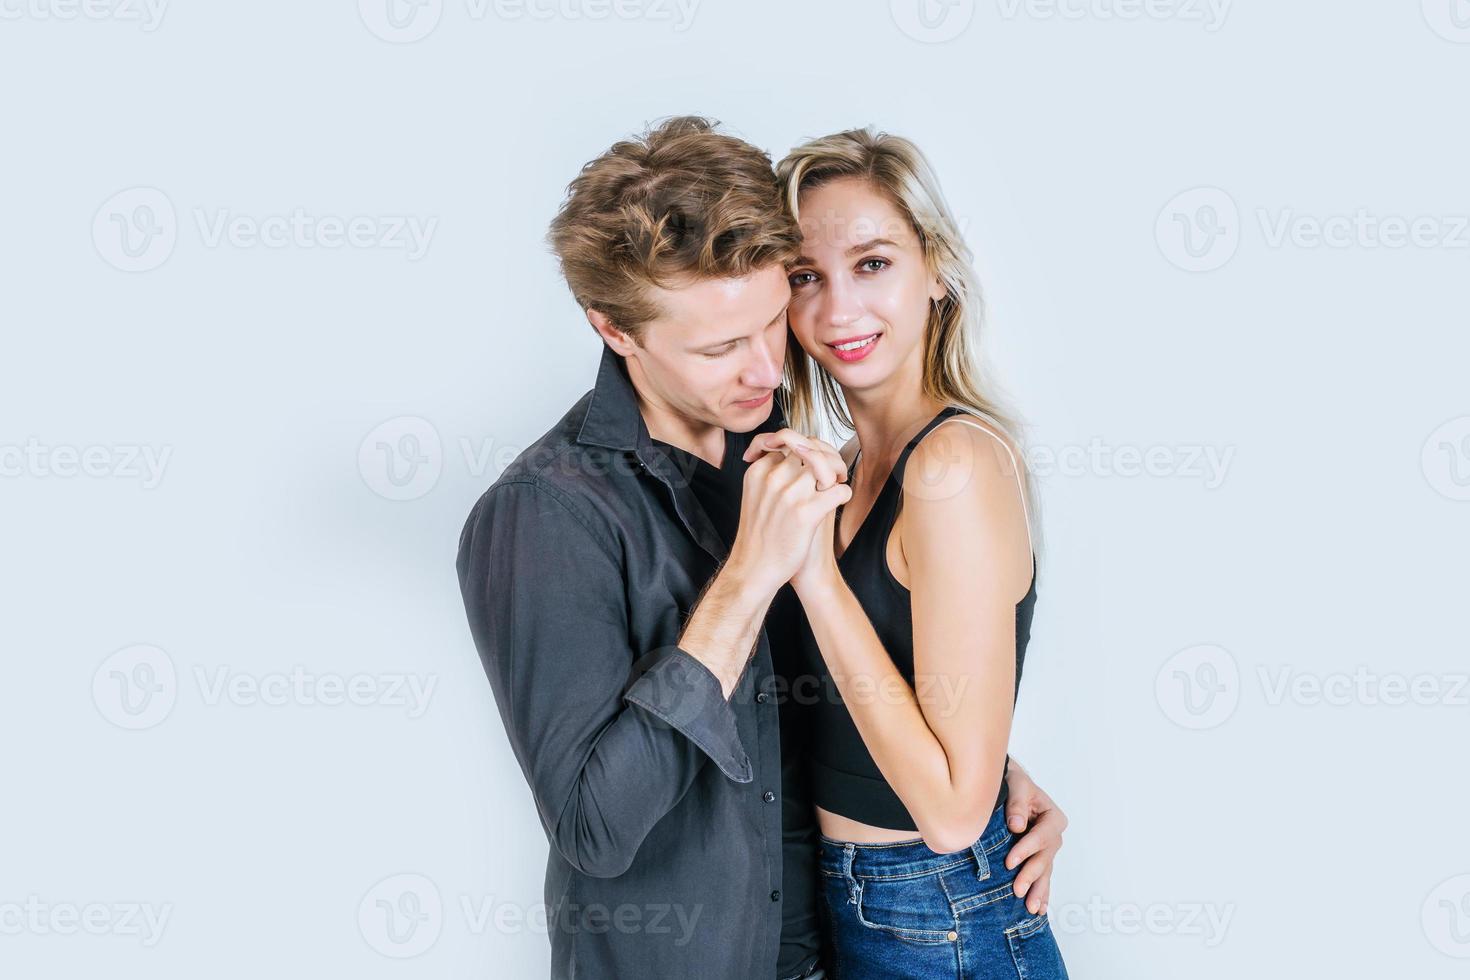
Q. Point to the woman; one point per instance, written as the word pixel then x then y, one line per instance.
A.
pixel 919 599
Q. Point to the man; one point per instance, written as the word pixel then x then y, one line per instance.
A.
pixel 619 574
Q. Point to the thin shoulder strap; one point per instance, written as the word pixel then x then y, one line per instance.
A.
pixel 1025 510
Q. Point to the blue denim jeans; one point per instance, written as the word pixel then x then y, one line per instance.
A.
pixel 902 912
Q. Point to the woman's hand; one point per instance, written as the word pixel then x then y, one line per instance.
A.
pixel 819 571
pixel 825 462
pixel 828 470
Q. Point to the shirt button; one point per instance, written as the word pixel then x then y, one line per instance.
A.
pixel 768 796
pixel 776 895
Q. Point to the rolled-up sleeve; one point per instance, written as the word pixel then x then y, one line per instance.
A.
pixel 608 736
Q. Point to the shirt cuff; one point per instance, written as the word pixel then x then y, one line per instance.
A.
pixel 682 693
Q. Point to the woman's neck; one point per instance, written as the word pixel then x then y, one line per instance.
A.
pixel 886 417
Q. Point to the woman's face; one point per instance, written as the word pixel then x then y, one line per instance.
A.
pixel 860 291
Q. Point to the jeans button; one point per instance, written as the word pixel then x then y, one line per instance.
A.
pixel 951 935
pixel 768 796
pixel 776 895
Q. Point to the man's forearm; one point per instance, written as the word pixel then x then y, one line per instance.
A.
pixel 722 630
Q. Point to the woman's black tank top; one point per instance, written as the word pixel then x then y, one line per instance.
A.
pixel 845 780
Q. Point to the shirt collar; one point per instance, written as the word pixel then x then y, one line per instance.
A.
pixel 612 420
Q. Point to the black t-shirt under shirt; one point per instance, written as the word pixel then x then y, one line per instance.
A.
pixel 718 491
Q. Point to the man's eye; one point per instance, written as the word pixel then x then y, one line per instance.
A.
pixel 868 265
pixel 801 278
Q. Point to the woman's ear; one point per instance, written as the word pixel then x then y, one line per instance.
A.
pixel 618 340
pixel 937 289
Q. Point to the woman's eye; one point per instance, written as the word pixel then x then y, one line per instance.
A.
pixel 801 278
pixel 718 353
pixel 874 265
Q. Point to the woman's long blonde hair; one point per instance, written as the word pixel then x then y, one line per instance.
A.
pixel 952 374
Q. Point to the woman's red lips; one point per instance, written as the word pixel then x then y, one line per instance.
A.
pixel 856 348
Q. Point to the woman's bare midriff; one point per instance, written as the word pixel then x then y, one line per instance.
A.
pixel 844 829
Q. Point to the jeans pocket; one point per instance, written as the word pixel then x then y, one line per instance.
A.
pixel 1034 950
pixel 913 909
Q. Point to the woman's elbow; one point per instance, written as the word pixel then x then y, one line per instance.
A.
pixel 953 835
pixel 959 824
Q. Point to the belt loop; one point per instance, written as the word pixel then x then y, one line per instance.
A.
pixel 853 887
pixel 982 865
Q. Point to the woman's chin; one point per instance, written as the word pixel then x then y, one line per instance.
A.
pixel 857 375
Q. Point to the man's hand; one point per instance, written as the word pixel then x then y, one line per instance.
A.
pixel 1039 823
pixel 781 508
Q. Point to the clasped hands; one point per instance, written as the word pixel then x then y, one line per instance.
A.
pixel 793 487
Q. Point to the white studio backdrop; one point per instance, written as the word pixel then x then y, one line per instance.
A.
pixel 276 309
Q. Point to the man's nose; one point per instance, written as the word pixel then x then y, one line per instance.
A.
pixel 763 369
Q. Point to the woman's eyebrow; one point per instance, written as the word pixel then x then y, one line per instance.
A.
pixel 802 260
pixel 872 243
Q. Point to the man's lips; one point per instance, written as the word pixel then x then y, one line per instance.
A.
pixel 756 402
pixel 855 348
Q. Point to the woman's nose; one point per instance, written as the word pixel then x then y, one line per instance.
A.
pixel 841 306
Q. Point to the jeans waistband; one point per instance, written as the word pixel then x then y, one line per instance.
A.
pixel 908 859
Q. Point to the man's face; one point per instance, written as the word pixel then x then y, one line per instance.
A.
pixel 715 354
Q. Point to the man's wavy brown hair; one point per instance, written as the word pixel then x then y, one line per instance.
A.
pixel 679 203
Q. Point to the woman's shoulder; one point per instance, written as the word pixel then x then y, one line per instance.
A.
pixel 964 456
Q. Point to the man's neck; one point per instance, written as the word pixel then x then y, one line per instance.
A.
pixel 678 430
pixel 703 440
